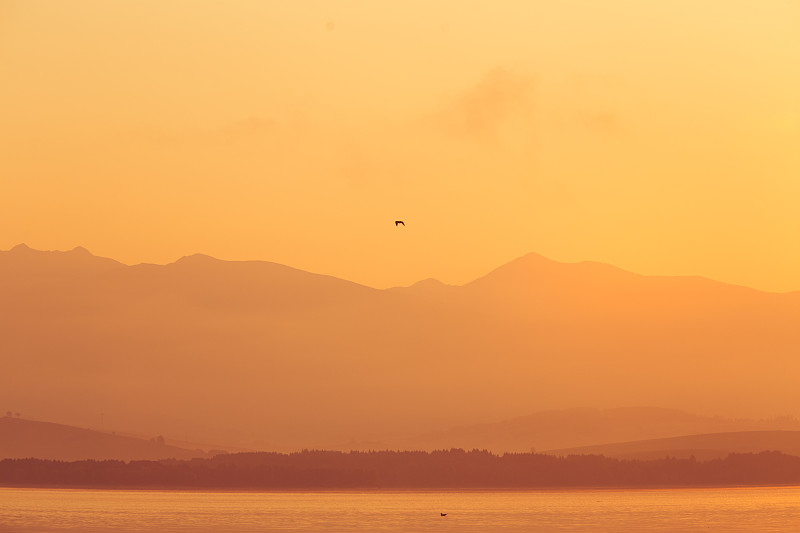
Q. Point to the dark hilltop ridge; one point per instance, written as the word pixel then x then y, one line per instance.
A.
pixel 455 468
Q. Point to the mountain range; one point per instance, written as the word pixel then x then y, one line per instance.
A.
pixel 264 356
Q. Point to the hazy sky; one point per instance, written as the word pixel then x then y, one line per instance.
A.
pixel 659 136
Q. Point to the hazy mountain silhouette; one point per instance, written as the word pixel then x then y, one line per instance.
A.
pixel 702 447
pixel 28 263
pixel 21 438
pixel 584 427
pixel 265 356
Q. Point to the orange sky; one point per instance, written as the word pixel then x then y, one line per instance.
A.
pixel 661 137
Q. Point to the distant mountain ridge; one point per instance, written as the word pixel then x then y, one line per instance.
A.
pixel 265 356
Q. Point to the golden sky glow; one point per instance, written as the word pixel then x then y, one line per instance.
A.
pixel 662 137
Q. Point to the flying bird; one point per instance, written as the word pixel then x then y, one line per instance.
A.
pixel 443 514
pixel 398 222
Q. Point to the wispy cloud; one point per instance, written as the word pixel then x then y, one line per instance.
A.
pixel 481 110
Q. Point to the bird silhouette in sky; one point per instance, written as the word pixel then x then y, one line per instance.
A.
pixel 443 514
pixel 398 222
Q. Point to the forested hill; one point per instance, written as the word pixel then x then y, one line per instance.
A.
pixel 393 470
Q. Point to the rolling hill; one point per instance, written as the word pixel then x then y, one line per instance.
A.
pixel 702 447
pixel 587 428
pixel 21 438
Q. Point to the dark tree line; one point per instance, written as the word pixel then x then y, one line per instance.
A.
pixel 455 468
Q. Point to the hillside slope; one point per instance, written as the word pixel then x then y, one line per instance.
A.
pixel 21 438
pixel 702 447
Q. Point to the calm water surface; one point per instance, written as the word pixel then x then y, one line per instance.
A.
pixel 734 509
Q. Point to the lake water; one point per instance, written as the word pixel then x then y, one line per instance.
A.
pixel 760 509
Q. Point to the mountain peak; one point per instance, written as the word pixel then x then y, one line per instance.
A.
pixel 535 259
pixel 534 267
pixel 56 262
pixel 21 248
pixel 425 285
pixel 430 282
pixel 198 258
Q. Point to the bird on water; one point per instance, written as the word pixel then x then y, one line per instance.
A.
pixel 398 222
